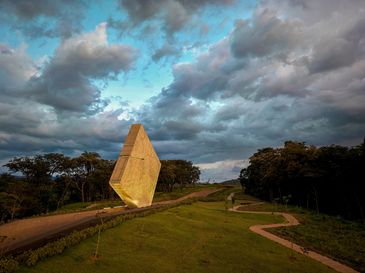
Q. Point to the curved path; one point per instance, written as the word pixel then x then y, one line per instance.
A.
pixel 292 221
pixel 24 234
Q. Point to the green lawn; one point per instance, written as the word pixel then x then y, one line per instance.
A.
pixel 201 237
pixel 177 192
pixel 220 195
pixel 331 236
pixel 159 196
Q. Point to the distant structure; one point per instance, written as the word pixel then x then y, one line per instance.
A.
pixel 135 174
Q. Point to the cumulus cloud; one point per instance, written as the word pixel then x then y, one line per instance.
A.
pixel 174 14
pixel 266 35
pixel 31 9
pixel 312 11
pixel 294 71
pixel 29 17
pixel 65 82
pixel 16 67
pixel 31 129
pixel 167 50
pixel 57 107
pixel 274 78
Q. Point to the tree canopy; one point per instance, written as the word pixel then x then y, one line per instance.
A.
pixel 327 179
pixel 46 182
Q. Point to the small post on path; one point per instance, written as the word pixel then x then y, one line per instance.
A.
pixel 98 241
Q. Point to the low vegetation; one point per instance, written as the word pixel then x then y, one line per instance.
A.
pixel 180 192
pixel 336 237
pixel 220 195
pixel 202 237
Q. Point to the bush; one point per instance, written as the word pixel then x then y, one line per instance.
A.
pixel 8 265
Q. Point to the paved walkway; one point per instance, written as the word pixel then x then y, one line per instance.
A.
pixel 20 235
pixel 292 221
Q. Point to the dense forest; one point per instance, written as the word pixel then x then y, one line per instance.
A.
pixel 44 183
pixel 325 179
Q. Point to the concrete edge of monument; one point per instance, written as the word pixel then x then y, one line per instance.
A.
pixel 136 171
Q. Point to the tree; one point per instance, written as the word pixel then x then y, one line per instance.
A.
pixel 243 178
pixel 46 182
pixel 38 171
pixel 99 180
pixel 326 179
pixel 17 200
pixel 83 168
pixel 195 174
pixel 167 176
pixel 177 172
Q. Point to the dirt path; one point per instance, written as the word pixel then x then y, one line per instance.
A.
pixel 292 221
pixel 23 234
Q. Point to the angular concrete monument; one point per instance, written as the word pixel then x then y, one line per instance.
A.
pixel 135 174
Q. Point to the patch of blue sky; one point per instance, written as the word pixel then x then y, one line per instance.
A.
pixel 40 48
pixel 10 37
pixel 96 14
pixel 138 85
pixel 148 78
pixel 36 47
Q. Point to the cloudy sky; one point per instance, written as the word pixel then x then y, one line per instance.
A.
pixel 212 81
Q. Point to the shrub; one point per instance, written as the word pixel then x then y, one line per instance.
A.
pixel 8 265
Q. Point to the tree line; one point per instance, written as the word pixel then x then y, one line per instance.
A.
pixel 43 183
pixel 326 179
pixel 177 173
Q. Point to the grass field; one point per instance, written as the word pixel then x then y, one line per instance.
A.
pixel 220 195
pixel 176 193
pixel 331 236
pixel 159 196
pixel 202 237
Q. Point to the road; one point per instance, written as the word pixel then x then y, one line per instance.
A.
pixel 24 234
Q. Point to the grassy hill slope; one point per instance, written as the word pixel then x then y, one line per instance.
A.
pixel 202 237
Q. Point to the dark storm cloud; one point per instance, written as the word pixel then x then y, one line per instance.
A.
pixel 30 9
pixel 205 77
pixel 28 16
pixel 343 50
pixel 29 127
pixel 274 78
pixel 175 14
pixel 295 71
pixel 163 123
pixel 15 68
pixel 266 35
pixel 65 82
pixel 314 11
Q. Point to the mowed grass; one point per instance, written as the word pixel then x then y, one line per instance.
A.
pixel 202 237
pixel 159 196
pixel 177 192
pixel 331 236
